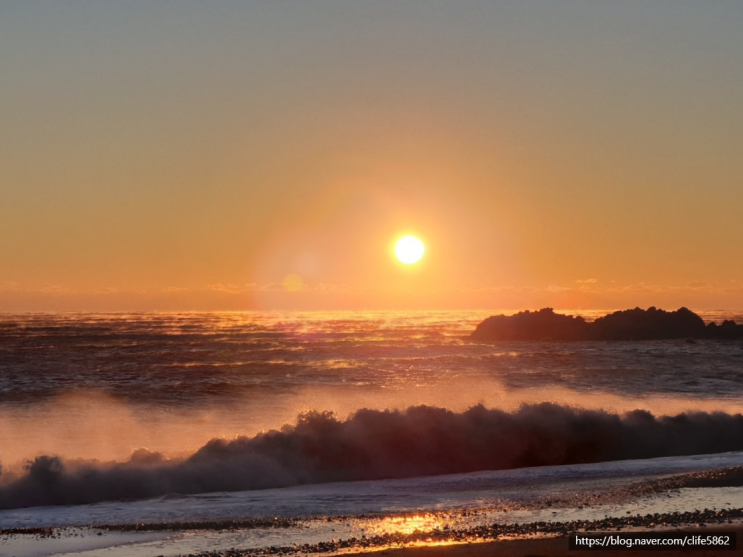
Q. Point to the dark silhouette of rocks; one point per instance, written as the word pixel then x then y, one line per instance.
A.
pixel 728 330
pixel 630 324
pixel 650 324
pixel 544 324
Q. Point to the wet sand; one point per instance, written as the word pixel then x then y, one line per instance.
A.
pixel 444 538
pixel 551 547
pixel 514 540
pixel 532 539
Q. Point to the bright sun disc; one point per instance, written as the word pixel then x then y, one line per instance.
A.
pixel 409 250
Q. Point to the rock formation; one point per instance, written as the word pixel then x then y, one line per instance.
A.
pixel 630 324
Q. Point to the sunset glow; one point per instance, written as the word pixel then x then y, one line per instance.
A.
pixel 368 276
pixel 270 169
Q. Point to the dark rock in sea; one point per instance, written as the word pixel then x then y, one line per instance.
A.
pixel 650 324
pixel 544 324
pixel 631 324
pixel 728 330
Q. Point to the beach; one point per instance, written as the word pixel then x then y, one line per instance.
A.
pixel 537 508
pixel 541 547
pixel 545 539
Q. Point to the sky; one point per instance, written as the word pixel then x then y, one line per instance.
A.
pixel 237 155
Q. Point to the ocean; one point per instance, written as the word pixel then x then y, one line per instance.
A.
pixel 341 425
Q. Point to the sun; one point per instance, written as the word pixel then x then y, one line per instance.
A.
pixel 409 250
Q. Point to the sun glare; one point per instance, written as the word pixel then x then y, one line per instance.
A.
pixel 409 250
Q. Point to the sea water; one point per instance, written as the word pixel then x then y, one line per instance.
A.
pixel 96 388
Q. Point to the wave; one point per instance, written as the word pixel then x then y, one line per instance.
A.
pixel 378 444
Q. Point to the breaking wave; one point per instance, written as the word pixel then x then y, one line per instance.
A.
pixel 378 444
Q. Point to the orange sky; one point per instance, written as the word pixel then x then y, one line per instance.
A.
pixel 179 155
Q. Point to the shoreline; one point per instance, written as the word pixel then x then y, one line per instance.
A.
pixel 547 539
pixel 546 546
pixel 542 534
pixel 658 504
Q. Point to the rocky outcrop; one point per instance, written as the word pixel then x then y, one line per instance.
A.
pixel 544 324
pixel 630 324
pixel 649 324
